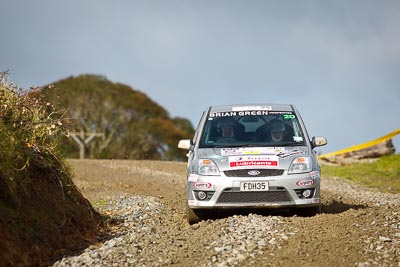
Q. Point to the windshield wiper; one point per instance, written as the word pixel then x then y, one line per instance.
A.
pixel 257 145
pixel 231 145
pixel 293 144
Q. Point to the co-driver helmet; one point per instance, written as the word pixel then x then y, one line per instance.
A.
pixel 277 130
pixel 226 127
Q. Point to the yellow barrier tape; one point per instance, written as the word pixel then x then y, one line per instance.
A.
pixel 362 146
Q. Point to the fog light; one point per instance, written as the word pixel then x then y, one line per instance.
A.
pixel 202 195
pixel 307 193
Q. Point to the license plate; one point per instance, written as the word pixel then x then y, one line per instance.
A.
pixel 254 186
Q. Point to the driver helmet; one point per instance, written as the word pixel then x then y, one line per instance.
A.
pixel 226 127
pixel 277 130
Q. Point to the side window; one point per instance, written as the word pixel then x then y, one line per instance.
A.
pixel 294 132
pixel 206 132
pixel 297 134
pixel 197 132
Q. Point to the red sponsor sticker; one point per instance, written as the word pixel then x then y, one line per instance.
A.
pixel 199 185
pixel 253 161
pixel 305 182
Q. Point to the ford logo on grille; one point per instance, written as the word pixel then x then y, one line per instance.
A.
pixel 253 173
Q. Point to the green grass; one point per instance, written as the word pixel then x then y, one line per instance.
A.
pixel 382 175
pixel 100 203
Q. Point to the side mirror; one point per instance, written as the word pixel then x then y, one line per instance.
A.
pixel 318 141
pixel 185 144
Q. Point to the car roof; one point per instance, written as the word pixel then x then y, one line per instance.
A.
pixel 244 107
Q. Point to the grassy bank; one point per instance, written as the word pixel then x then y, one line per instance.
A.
pixel 382 175
pixel 43 215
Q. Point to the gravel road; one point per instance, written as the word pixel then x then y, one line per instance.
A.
pixel 357 227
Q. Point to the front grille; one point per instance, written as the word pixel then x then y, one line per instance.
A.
pixel 262 172
pixel 254 197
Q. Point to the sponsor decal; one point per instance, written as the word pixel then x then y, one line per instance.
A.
pixel 297 138
pixel 251 151
pixel 241 111
pixel 231 151
pixel 263 150
pixel 251 108
pixel 305 182
pixel 253 112
pixel 281 112
pixel 193 177
pixel 202 186
pixel 245 161
pixel 289 116
pixel 222 114
pixel 289 153
pixel 314 174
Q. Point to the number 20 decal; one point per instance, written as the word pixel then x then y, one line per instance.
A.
pixel 289 116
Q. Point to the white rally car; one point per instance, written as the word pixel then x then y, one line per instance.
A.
pixel 251 156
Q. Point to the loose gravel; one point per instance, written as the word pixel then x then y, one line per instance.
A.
pixel 146 237
pixel 357 227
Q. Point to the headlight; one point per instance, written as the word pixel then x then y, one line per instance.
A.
pixel 300 165
pixel 207 167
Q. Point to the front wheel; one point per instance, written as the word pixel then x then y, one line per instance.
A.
pixel 193 216
pixel 308 212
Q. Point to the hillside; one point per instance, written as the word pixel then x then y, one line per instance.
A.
pixel 127 123
pixel 42 213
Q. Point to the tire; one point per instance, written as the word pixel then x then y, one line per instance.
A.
pixel 308 212
pixel 193 216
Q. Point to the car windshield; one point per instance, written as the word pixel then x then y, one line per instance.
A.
pixel 272 128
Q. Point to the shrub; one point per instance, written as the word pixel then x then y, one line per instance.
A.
pixel 28 125
pixel 42 212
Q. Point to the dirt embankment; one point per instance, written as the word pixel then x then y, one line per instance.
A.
pixel 40 208
pixel 357 227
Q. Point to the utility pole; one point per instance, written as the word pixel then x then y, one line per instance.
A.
pixel 83 139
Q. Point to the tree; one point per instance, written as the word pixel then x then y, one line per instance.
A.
pixel 133 125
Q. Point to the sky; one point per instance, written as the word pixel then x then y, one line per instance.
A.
pixel 337 61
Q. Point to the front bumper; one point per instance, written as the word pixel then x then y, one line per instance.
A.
pixel 224 192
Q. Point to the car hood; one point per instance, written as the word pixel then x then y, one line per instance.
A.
pixel 253 157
